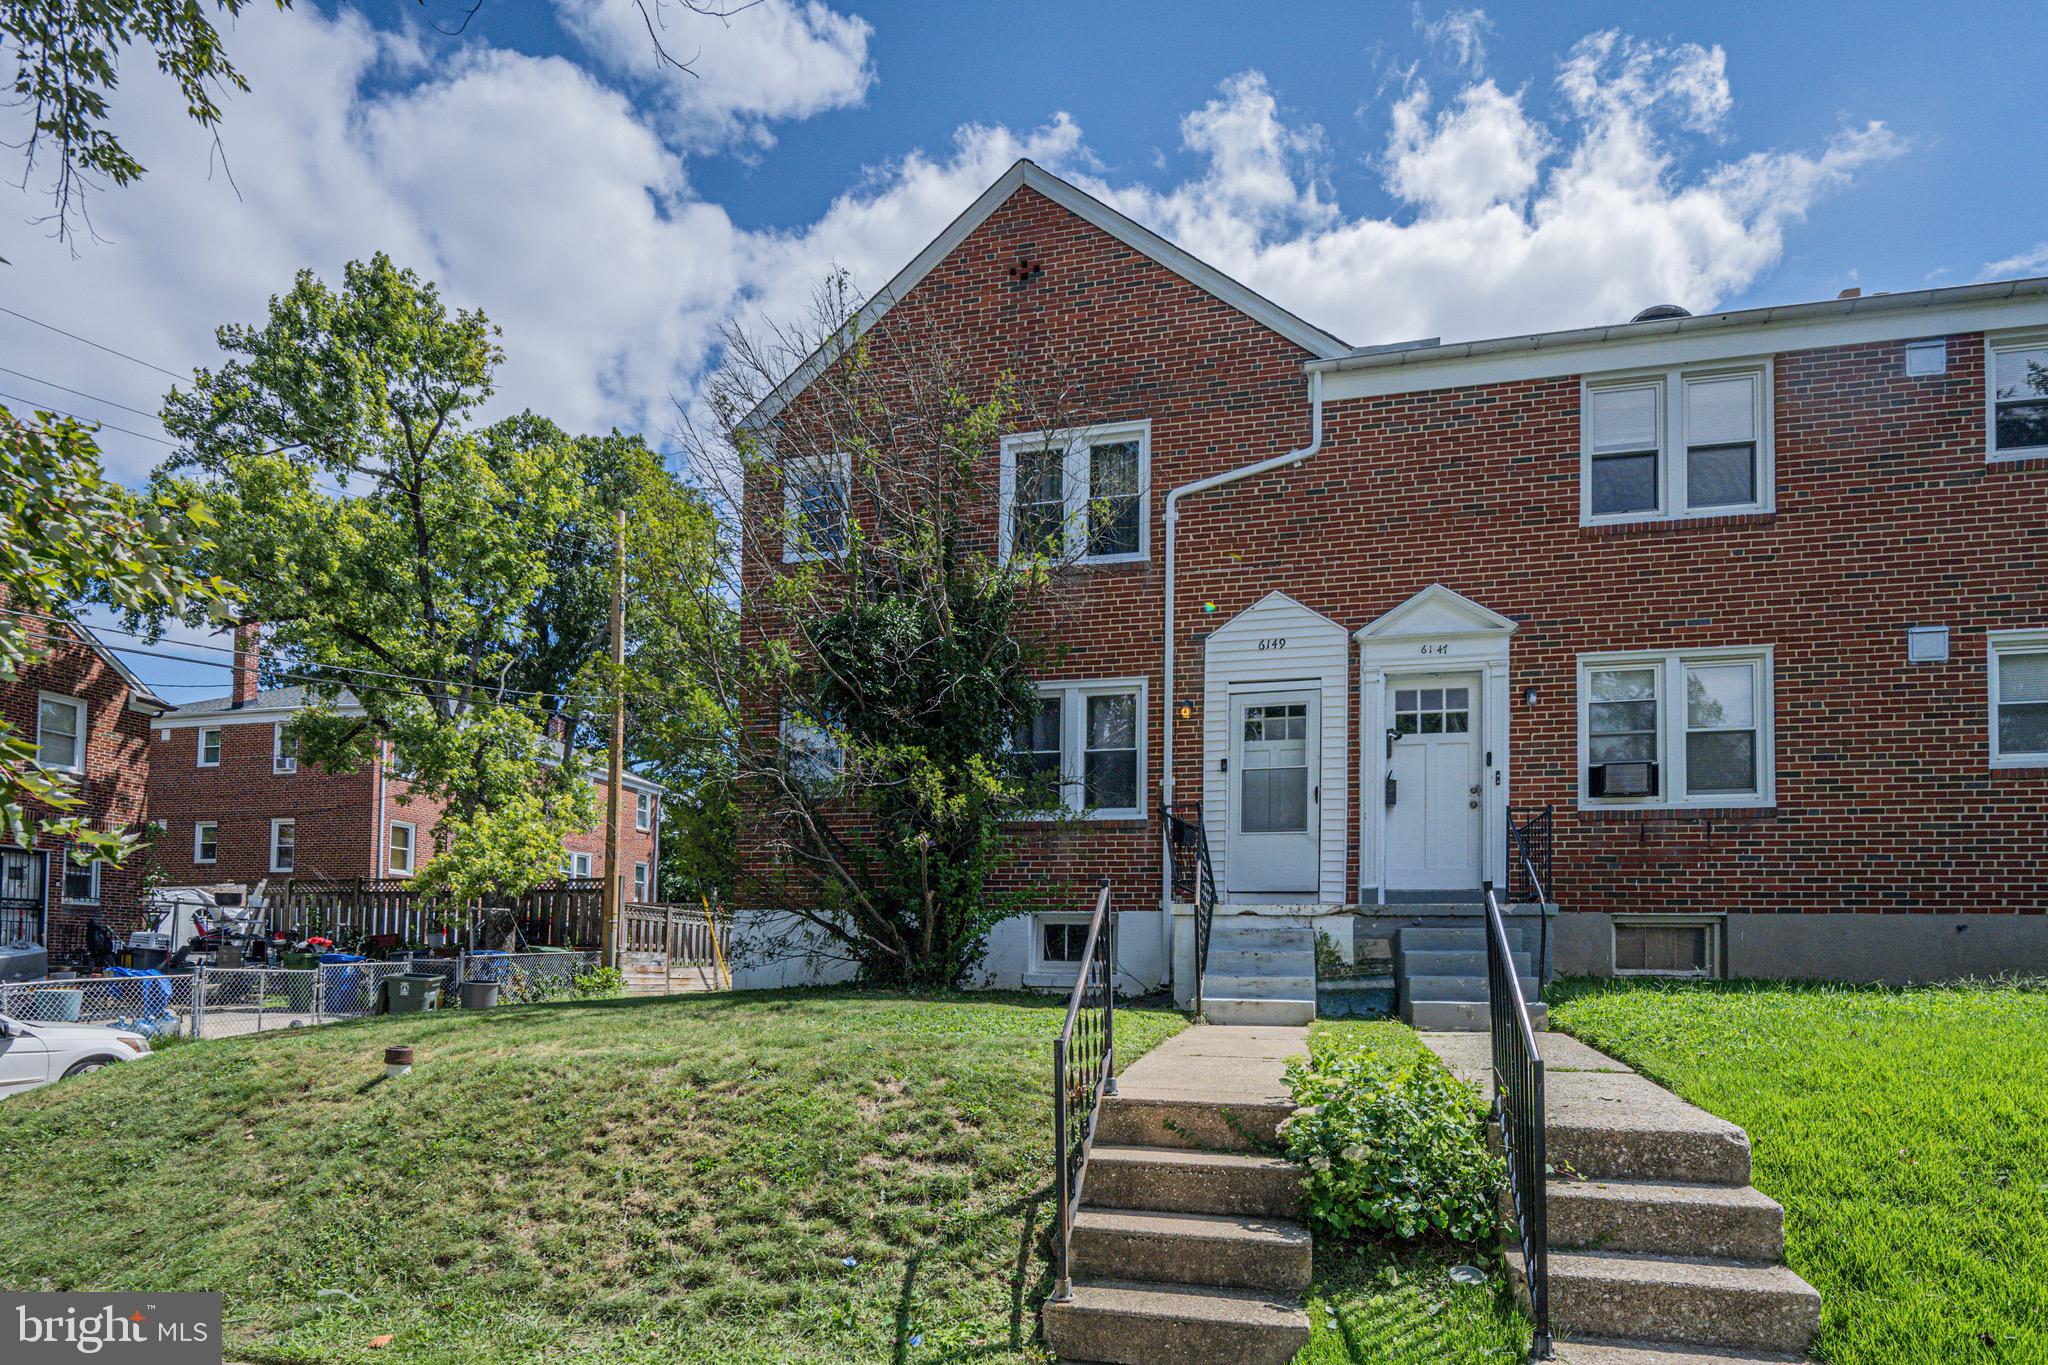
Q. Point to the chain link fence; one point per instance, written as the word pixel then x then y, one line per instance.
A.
pixel 221 1002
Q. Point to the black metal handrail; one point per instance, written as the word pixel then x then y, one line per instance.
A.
pixel 1530 846
pixel 1083 1071
pixel 1518 1105
pixel 1193 879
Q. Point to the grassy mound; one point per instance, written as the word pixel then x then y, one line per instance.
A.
pixel 792 1177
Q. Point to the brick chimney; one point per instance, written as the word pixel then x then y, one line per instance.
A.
pixel 247 637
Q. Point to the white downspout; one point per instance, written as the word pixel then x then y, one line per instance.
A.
pixel 1228 476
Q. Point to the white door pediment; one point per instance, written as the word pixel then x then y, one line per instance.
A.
pixel 1436 610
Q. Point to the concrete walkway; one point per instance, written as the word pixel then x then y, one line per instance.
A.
pixel 1218 1064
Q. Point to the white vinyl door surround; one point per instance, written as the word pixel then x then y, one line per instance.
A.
pixel 1275 794
pixel 1432 806
pixel 1275 739
pixel 1433 717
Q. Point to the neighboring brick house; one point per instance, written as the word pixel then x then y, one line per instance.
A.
pixel 237 808
pixel 88 716
pixel 1755 602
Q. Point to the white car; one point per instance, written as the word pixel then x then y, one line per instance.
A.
pixel 33 1054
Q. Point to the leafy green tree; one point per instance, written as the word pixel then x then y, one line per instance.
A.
pixel 68 536
pixel 400 555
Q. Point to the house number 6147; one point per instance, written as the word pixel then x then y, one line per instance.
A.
pixel 1436 649
pixel 1272 642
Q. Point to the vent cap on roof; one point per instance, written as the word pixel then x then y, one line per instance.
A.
pixel 1657 312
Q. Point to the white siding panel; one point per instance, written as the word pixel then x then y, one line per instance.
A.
pixel 1316 654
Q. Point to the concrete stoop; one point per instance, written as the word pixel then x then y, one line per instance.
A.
pixel 1440 978
pixel 1661 1253
pixel 1261 970
pixel 1187 1250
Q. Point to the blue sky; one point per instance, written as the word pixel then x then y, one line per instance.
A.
pixel 1386 169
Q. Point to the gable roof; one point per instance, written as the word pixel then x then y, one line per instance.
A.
pixel 139 694
pixel 1319 343
pixel 1437 610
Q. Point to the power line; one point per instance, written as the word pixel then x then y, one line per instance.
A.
pixel 65 388
pixel 66 412
pixel 48 327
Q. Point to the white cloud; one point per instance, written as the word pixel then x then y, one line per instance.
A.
pixel 1458 35
pixel 773 60
pixel 2033 261
pixel 535 189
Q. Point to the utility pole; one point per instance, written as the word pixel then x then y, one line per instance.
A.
pixel 614 883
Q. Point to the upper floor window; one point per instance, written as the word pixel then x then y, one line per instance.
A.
pixel 643 810
pixel 2018 683
pixel 1083 749
pixel 2018 399
pixel 1689 728
pixel 815 496
pixel 60 733
pixel 1679 443
pixel 813 755
pixel 1082 498
pixel 209 748
pixel 284 845
pixel 284 750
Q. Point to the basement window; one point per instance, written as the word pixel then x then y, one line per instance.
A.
pixel 1664 945
pixel 1061 939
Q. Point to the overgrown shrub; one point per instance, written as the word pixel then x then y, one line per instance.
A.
pixel 1391 1149
pixel 599 982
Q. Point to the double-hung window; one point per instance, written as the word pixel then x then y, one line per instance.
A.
pixel 643 810
pixel 2017 399
pixel 209 748
pixel 403 837
pixel 815 758
pixel 2017 674
pixel 816 496
pixel 1678 443
pixel 1082 498
pixel 284 750
pixel 640 883
pixel 1691 728
pixel 205 841
pixel 81 882
pixel 60 733
pixel 284 845
pixel 1082 749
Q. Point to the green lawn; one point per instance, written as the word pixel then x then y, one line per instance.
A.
pixel 1906 1133
pixel 1395 1302
pixel 682 1178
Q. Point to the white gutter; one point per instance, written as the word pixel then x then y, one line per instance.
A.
pixel 1229 476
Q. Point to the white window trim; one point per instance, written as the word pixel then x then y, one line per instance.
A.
pixel 1073 751
pixel 1671 729
pixel 570 861
pixel 640 879
pixel 1671 442
pixel 1996 643
pixel 643 811
pixel 412 848
pixel 841 465
pixel 275 826
pixel 64 881
pixel 1713 924
pixel 2022 341
pixel 280 762
pixel 219 744
pixel 81 741
pixel 199 827
pixel 1040 964
pixel 1075 486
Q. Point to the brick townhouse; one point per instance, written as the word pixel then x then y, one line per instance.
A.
pixel 1754 603
pixel 88 717
pixel 237 808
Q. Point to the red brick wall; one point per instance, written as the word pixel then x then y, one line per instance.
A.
pixel 635 845
pixel 113 787
pixel 335 812
pixel 1887 516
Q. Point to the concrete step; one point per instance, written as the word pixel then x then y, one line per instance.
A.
pixel 1460 988
pixel 1192 1248
pixel 1680 1301
pixel 1731 1222
pixel 1124 1323
pixel 1198 1124
pixel 1460 1016
pixel 1177 1180
pixel 1238 960
pixel 1622 1127
pixel 1442 962
pixel 1290 986
pixel 1441 938
pixel 1236 1010
pixel 1607 1351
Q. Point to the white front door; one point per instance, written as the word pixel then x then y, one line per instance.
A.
pixel 1433 825
pixel 1275 842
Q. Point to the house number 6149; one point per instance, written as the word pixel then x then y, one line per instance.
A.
pixel 1272 642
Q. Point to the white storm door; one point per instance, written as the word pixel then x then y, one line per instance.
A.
pixel 1433 826
pixel 1275 795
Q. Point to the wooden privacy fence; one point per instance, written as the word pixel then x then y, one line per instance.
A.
pixel 560 914
pixel 683 936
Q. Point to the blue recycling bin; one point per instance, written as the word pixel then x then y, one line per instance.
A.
pixel 341 987
pixel 490 965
